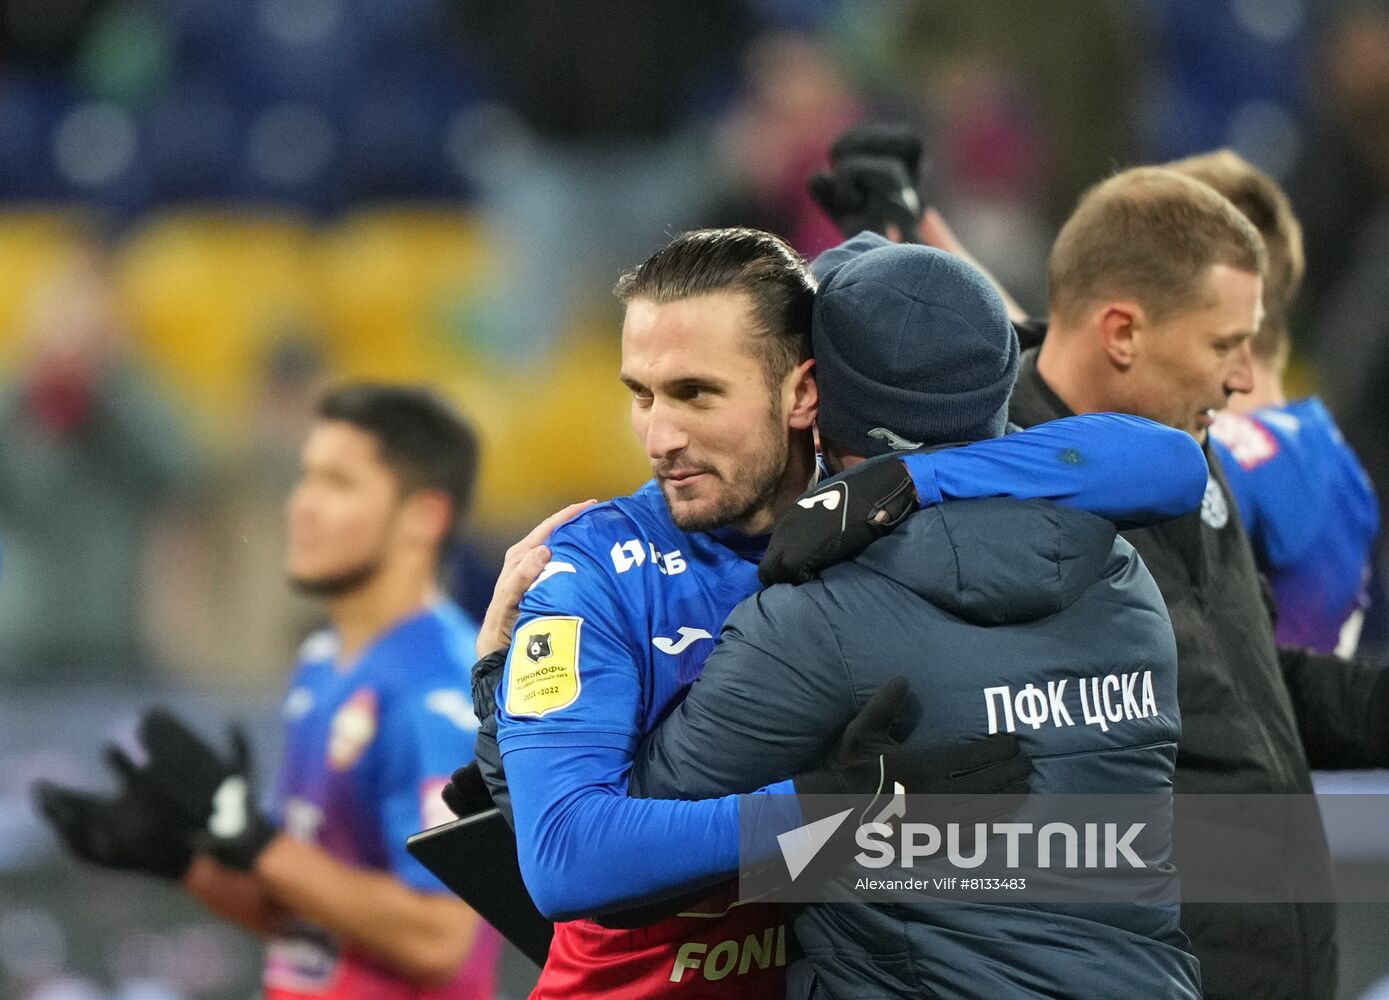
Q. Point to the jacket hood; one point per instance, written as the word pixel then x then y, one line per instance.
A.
pixel 995 562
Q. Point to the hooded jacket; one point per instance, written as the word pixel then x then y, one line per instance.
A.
pixel 968 600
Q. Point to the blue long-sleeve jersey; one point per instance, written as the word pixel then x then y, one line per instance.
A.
pixel 1103 463
pixel 620 622
pixel 1311 514
pixel 369 744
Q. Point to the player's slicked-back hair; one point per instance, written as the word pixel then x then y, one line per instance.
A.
pixel 1263 203
pixel 422 439
pixel 756 263
pixel 1152 235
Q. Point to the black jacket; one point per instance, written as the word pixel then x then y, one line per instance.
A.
pixel 967 600
pixel 1254 717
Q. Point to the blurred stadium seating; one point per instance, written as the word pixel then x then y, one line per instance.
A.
pixel 390 293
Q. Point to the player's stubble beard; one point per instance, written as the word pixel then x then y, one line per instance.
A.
pixel 749 488
pixel 338 584
pixel 354 578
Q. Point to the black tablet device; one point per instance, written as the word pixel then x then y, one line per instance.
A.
pixel 476 858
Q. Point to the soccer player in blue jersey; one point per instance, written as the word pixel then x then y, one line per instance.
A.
pixel 633 592
pixel 1306 503
pixel 376 716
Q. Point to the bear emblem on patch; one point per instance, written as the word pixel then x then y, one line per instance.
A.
pixel 538 648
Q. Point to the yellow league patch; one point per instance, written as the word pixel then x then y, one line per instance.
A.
pixel 543 675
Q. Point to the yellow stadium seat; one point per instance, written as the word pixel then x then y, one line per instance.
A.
pixel 209 292
pixel 398 287
pixel 553 434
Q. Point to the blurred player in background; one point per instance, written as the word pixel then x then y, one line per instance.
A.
pixel 1306 502
pixel 376 718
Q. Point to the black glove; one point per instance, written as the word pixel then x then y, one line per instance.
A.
pixel 873 181
pixel 215 796
pixel 837 519
pixel 869 759
pixel 868 193
pixel 131 831
pixel 466 793
pixel 897 142
pixel 857 764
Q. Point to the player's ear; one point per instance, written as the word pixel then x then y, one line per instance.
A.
pixel 1122 324
pixel 428 516
pixel 801 396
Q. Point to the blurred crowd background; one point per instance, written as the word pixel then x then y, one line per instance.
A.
pixel 209 209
